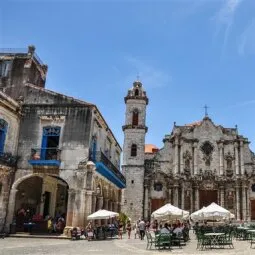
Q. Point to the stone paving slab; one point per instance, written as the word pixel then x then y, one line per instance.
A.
pixel 31 246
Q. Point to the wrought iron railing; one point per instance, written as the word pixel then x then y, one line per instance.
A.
pixel 45 153
pixel 99 156
pixel 38 59
pixel 16 51
pixel 11 51
pixel 8 159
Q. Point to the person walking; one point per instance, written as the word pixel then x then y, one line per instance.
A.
pixel 120 230
pixel 142 226
pixel 129 229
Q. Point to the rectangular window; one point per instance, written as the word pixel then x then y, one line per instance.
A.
pixel 4 68
pixel 50 143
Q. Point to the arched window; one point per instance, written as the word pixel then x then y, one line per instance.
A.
pixel 133 150
pixel 135 118
pixel 3 130
pixel 136 92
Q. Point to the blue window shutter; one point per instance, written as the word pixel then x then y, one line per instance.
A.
pixel 44 146
pixel 2 140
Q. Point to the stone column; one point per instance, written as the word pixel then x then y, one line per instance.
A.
pixel 244 204
pixel 170 195
pixel 176 195
pixel 237 203
pixel 42 201
pixel 94 203
pixel 221 159
pixel 195 158
pixel 82 207
pixel 236 158
pixel 248 205
pixel 105 206
pixel 222 196
pixel 11 209
pixel 241 158
pixel 88 209
pixel 183 197
pixel 176 156
pixel 146 202
pixel 196 199
pixel 70 204
pixel 191 201
pixel 100 203
pixel 181 158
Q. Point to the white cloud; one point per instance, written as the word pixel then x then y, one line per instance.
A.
pixel 224 18
pixel 246 43
pixel 151 77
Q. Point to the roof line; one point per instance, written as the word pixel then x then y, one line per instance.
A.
pixel 78 101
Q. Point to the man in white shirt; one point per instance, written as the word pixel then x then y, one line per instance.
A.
pixel 141 227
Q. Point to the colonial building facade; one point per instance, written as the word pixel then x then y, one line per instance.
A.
pixel 69 159
pixel 199 163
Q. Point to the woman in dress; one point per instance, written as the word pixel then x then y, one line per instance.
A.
pixel 129 229
pixel 120 230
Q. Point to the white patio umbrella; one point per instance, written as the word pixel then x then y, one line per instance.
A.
pixel 214 211
pixel 198 215
pixel 102 215
pixel 169 212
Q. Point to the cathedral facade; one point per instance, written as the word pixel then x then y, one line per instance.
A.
pixel 199 163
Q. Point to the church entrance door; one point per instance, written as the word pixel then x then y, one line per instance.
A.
pixel 207 197
pixel 156 204
pixel 252 209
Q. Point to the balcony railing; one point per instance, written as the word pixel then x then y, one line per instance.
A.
pixel 99 156
pixel 8 159
pixel 45 156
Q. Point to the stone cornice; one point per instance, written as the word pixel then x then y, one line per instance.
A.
pixel 144 98
pixel 135 127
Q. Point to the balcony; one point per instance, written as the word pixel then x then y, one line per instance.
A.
pixel 45 157
pixel 106 168
pixel 8 159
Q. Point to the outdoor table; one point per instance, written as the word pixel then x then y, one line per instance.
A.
pixel 214 237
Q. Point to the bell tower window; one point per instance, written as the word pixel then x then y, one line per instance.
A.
pixel 135 118
pixel 136 92
pixel 133 150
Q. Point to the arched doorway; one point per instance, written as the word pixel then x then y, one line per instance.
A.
pixel 39 197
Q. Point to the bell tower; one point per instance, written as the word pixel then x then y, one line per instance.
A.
pixel 133 151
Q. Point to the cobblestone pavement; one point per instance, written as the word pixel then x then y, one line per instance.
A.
pixel 29 246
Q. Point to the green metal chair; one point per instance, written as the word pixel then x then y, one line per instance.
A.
pixel 150 240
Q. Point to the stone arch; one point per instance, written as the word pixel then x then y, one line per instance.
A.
pixel 17 189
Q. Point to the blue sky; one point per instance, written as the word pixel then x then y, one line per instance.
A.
pixel 187 54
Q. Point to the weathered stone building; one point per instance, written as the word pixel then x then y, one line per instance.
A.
pixel 9 131
pixel 69 160
pixel 198 164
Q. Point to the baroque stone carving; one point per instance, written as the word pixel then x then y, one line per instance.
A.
pixel 207 149
pixel 187 158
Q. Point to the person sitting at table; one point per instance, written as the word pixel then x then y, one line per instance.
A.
pixel 60 225
pixel 178 229
pixel 50 224
pixel 165 229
